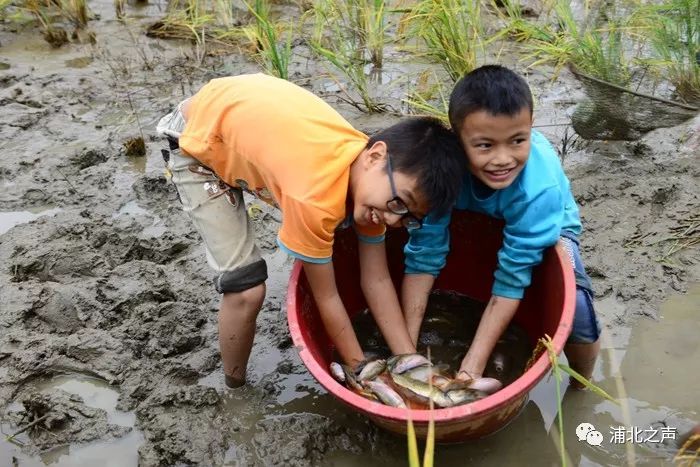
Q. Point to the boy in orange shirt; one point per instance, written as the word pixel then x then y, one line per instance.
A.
pixel 289 148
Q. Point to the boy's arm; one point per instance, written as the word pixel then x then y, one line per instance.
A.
pixel 425 256
pixel 415 291
pixel 335 318
pixel 381 297
pixel 531 227
pixel 497 315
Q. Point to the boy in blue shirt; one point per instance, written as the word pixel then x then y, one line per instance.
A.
pixel 515 175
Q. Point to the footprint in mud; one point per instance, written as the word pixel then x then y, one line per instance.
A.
pixel 303 439
pixel 154 191
pixel 88 158
pixel 64 418
pixel 56 307
pixel 76 422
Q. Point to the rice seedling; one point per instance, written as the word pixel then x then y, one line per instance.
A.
pixel 595 50
pixel 119 8
pixel 452 31
pixel 675 35
pixel 185 19
pixel 429 98
pixel 224 13
pixel 363 21
pixel 337 43
pixel 273 53
pixel 373 29
pixel 44 12
pixel 76 11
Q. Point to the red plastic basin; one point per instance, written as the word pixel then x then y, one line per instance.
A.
pixel 547 308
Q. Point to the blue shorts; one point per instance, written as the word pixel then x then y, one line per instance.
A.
pixel 586 329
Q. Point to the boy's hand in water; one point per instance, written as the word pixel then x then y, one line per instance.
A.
pixel 497 315
pixel 479 383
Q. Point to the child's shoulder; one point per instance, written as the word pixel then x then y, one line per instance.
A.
pixel 543 166
pixel 542 172
pixel 543 150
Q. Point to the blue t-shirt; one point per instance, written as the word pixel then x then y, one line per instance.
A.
pixel 537 207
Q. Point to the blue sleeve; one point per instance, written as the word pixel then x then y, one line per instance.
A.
pixel 531 227
pixel 427 247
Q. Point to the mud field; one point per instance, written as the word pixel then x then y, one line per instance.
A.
pixel 108 316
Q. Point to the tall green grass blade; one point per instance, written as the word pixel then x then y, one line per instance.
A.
pixel 553 360
pixel 413 460
pixel 592 387
pixel 429 454
pixel 274 54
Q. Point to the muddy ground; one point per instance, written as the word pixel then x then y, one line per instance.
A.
pixel 111 282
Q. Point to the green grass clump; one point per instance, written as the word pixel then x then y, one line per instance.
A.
pixel 429 97
pixel 590 46
pixel 675 36
pixel 272 50
pixel 339 41
pixel 452 31
pixel 47 13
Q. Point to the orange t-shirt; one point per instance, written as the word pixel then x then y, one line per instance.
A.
pixel 287 147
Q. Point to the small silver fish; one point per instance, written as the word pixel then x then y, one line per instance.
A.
pixel 463 396
pixel 371 370
pixel 337 371
pixel 422 389
pixel 385 394
pixel 351 379
pixel 402 363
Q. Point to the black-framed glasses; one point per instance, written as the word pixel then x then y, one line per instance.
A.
pixel 397 206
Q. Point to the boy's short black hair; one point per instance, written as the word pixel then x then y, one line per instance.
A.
pixel 425 148
pixel 493 88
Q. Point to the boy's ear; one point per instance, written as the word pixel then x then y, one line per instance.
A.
pixel 376 152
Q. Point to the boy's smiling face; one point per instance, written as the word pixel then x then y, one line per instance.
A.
pixel 372 190
pixel 497 146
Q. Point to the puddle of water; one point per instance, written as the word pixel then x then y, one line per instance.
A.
pixel 9 219
pixel 120 452
pixel 138 164
pixel 156 229
pixel 133 209
pixel 95 393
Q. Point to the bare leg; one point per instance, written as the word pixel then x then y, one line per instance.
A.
pixel 237 314
pixel 582 358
